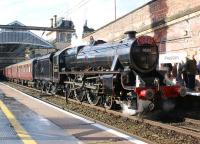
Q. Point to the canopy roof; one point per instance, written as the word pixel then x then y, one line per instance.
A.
pixel 22 37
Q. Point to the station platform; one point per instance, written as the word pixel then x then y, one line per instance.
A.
pixel 193 93
pixel 26 120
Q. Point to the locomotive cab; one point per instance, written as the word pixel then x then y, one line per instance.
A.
pixel 58 65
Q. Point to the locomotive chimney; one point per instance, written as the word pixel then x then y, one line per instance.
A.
pixel 51 22
pixel 131 34
pixel 55 20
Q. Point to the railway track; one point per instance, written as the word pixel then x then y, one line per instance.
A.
pixel 187 131
pixel 189 124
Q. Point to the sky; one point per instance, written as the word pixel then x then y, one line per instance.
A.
pixel 38 12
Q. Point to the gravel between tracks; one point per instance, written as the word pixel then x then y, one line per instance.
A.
pixel 133 127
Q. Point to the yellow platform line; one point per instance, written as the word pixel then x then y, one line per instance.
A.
pixel 21 132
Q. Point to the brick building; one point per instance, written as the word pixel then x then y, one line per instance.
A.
pixel 175 24
pixel 60 39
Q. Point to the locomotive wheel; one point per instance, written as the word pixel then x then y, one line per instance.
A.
pixel 53 89
pixel 68 90
pixel 109 103
pixel 79 90
pixel 38 85
pixel 93 98
pixel 80 94
pixel 43 89
pixel 68 93
pixel 47 88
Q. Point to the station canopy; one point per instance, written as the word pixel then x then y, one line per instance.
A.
pixel 14 43
pixel 26 37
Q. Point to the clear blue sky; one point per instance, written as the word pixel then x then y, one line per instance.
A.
pixel 39 12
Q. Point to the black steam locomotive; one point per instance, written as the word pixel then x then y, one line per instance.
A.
pixel 108 74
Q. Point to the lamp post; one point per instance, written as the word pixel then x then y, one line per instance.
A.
pixel 115 8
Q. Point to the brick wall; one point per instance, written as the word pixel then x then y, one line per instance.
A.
pixel 175 24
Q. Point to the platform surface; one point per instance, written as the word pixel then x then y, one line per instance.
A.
pixel 24 119
pixel 193 93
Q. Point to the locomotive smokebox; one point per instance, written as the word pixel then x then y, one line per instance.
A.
pixel 144 54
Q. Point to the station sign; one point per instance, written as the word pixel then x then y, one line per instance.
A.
pixel 175 57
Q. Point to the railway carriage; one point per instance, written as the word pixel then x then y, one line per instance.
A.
pixel 8 72
pixel 14 73
pixel 26 71
pixel 21 72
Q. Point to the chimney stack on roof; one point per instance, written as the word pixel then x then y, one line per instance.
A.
pixel 55 20
pixel 51 22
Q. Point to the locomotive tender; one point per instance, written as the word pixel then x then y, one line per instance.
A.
pixel 108 74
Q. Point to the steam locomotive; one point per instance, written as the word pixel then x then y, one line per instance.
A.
pixel 109 74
